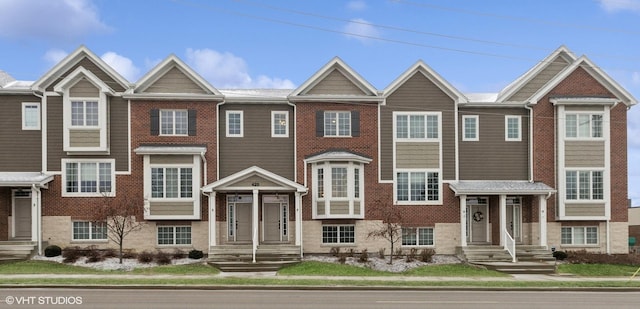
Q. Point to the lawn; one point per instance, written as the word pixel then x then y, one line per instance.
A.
pixel 314 268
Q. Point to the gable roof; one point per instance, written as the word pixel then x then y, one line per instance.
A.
pixel 368 93
pixel 430 74
pixel 82 73
pixel 5 78
pixel 72 59
pixel 227 182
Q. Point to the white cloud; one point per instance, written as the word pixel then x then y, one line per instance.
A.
pixel 53 56
pixel 361 30
pixel 620 5
pixel 225 70
pixel 357 5
pixel 50 20
pixel 122 65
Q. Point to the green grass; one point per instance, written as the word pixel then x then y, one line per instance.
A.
pixel 453 270
pixel 598 270
pixel 314 268
pixel 188 269
pixel 45 267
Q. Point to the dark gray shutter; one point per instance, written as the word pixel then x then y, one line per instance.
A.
pixel 192 122
pixel 355 123
pixel 155 121
pixel 319 123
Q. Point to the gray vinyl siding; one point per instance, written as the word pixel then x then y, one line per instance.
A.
pixel 584 210
pixel 491 157
pixel 170 159
pixel 20 151
pixel 539 80
pixel 335 83
pixel 84 138
pixel 417 155
pixel 119 132
pixel 89 65
pixel 418 94
pixel 584 154
pixel 171 208
pixel 54 133
pixel 174 81
pixel 84 89
pixel 256 147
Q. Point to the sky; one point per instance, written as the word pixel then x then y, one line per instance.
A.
pixel 478 46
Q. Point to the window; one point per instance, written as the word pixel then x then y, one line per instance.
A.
pixel 338 186
pixel 417 126
pixel 85 230
pixel 422 236
pixel 470 124
pixel 30 116
pixel 418 186
pixel 338 234
pixel 512 127
pixel 583 126
pixel 88 178
pixel 84 113
pixel 234 124
pixel 280 124
pixel 579 235
pixel 337 124
pixel 171 182
pixel 584 185
pixel 174 235
pixel 174 122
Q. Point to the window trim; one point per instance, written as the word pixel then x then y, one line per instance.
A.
pixel 426 137
pixel 590 115
pixel 84 124
pixel 426 174
pixel 338 123
pixel 173 127
pixel 585 244
pixel 227 129
pixel 286 125
pixel 416 229
pixel 164 191
pixel 338 243
pixel 25 127
pixel 476 128
pixel 506 128
pixel 578 187
pixel 91 226
pixel 112 193
pixel 327 198
pixel 174 236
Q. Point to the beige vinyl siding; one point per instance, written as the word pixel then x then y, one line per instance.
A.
pixel 251 181
pixel 491 157
pixel 171 208
pixel 584 210
pixel 539 80
pixel 320 208
pixel 417 155
pixel 339 208
pixel 256 147
pixel 54 133
pixel 584 154
pixel 356 208
pixel 170 159
pixel 335 83
pixel 84 89
pixel 89 65
pixel 20 150
pixel 84 138
pixel 174 81
pixel 418 93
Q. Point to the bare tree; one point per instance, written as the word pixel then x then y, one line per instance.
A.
pixel 391 228
pixel 120 218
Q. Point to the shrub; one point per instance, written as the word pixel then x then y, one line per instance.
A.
pixel 109 253
pixel 178 254
pixel 426 255
pixel 364 256
pixel 71 254
pixel 195 254
pixel 584 257
pixel 399 252
pixel 129 254
pixel 381 253
pixel 351 252
pixel 412 255
pixel 342 259
pixel 163 258
pixel 335 251
pixel 145 257
pixel 52 250
pixel 93 255
pixel 560 255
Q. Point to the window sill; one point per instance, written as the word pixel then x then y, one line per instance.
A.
pixel 90 241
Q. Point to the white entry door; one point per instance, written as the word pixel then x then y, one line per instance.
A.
pixel 22 214
pixel 477 220
pixel 275 223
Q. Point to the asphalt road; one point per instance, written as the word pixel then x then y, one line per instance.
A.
pixel 333 299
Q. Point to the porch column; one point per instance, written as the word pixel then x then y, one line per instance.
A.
pixel 298 203
pixel 463 220
pixel 255 223
pixel 542 214
pixel 503 218
pixel 36 218
pixel 212 220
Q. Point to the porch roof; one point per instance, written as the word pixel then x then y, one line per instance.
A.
pixel 170 149
pixel 24 179
pixel 493 187
pixel 234 182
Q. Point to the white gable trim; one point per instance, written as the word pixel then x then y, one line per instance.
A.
pixel 76 76
pixel 429 73
pixel 248 172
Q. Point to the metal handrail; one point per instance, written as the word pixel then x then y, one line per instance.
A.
pixel 510 245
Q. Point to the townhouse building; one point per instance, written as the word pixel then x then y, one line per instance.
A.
pixel 541 163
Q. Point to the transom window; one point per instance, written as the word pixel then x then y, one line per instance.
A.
pixel 337 124
pixel 584 185
pixel 31 116
pixel 421 236
pixel 86 230
pixel 583 125
pixel 280 124
pixel 174 122
pixel 579 235
pixel 171 182
pixel 417 126
pixel 234 124
pixel 470 124
pixel 417 186
pixel 338 234
pixel 512 127
pixel 84 113
pixel 174 235
pixel 88 178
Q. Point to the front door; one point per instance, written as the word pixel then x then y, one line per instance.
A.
pixel 514 218
pixel 22 214
pixel 274 218
pixel 477 219
pixel 243 222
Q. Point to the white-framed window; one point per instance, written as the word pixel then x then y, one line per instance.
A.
pixel 584 185
pixel 513 128
pixel 235 124
pixel 579 235
pixel 86 177
pixel 174 122
pixel 417 236
pixel 417 126
pixel 337 124
pixel 584 126
pixel 84 113
pixel 338 234
pixel 340 183
pixel 87 230
pixel 417 187
pixel 30 116
pixel 471 131
pixel 171 182
pixel 174 235
pixel 279 124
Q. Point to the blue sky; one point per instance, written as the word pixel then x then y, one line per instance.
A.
pixel 478 46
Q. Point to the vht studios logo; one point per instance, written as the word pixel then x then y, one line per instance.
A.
pixel 43 300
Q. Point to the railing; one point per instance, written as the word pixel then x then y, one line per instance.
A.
pixel 509 245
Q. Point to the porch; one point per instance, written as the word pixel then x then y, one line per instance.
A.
pixel 237 258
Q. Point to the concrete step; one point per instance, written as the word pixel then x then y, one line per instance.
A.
pixel 521 267
pixel 16 250
pixel 251 267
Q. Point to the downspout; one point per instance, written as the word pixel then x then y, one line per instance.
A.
pixel 218 139
pixel 43 130
pixel 608 229
pixel 528 107
pixel 39 218
pixel 295 172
